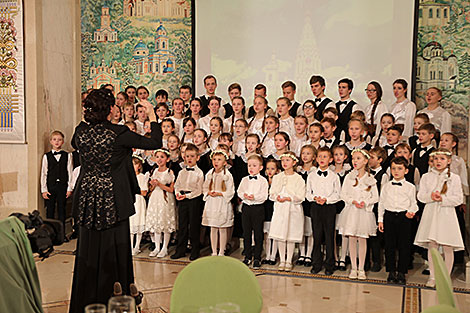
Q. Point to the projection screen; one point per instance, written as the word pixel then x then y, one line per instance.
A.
pixel 271 41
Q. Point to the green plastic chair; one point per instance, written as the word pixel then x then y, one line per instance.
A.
pixel 214 280
pixel 444 289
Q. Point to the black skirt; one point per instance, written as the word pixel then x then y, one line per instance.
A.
pixel 103 258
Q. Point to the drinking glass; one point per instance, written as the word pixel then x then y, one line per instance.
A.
pixel 121 304
pixel 95 308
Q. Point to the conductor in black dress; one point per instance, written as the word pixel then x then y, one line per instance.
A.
pixel 104 199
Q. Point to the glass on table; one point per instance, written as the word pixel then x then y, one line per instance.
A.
pixel 121 304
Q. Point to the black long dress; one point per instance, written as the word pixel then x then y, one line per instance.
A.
pixel 103 201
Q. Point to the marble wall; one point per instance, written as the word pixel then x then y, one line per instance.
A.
pixel 52 65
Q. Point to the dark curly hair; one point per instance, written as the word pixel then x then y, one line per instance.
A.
pixel 97 105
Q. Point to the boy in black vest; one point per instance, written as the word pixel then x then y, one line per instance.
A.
pixel 345 105
pixel 420 156
pixel 288 91
pixel 318 85
pixel 56 177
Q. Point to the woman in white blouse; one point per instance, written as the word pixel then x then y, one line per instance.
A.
pixel 376 108
pixel 403 109
pixel 437 114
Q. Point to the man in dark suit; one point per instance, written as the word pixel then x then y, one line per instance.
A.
pixel 288 91
pixel 318 85
pixel 210 84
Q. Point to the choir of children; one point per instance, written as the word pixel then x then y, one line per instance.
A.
pixel 305 175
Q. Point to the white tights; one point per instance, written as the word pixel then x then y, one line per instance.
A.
pixel 353 241
pixel 344 247
pixel 306 252
pixel 448 257
pixel 138 238
pixel 157 239
pixel 218 240
pixel 270 247
pixel 282 245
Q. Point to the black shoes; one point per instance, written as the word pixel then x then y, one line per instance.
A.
pixel 300 261
pixel 308 262
pixel 272 262
pixel 177 256
pixel 256 264
pixel 315 270
pixel 265 262
pixel 342 266
pixel 392 278
pixel 328 272
pixel 376 267
pixel 193 256
pixel 401 280
pixel 247 262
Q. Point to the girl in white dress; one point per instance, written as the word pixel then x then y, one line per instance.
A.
pixel 287 224
pixel 376 108
pixel 441 191
pixel 161 210
pixel 270 245
pixel 239 135
pixel 403 109
pixel 271 126
pixel 357 221
pixel 137 221
pixel 189 125
pixel 238 106
pixel 300 138
pixel 218 190
pixel 308 154
pixel 215 126
pixel 256 123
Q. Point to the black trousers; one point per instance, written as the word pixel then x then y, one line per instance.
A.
pixel 189 224
pixel 375 245
pixel 252 221
pixel 58 195
pixel 397 232
pixel 323 224
pixel 460 255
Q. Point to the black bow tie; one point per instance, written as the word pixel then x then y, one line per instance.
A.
pixel 320 173
pixel 190 168
pixel 373 172
pixel 342 102
pixel 318 100
pixel 389 147
pixel 396 184
pixel 253 177
pixel 328 140
pixel 55 152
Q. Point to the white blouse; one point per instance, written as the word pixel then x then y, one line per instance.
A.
pixel 404 113
pixel 379 111
pixel 440 118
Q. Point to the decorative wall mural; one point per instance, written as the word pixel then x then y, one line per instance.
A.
pixel 12 117
pixel 136 42
pixel 443 59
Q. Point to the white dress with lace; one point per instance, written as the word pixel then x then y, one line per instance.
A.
pixel 161 209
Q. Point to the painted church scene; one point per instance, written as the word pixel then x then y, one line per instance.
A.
pixel 136 42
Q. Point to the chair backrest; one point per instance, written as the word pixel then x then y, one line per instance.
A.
pixel 215 280
pixel 444 287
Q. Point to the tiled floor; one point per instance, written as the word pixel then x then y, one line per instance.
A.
pixel 298 291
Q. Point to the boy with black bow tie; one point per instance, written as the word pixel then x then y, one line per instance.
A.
pixel 397 207
pixel 323 191
pixel 253 191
